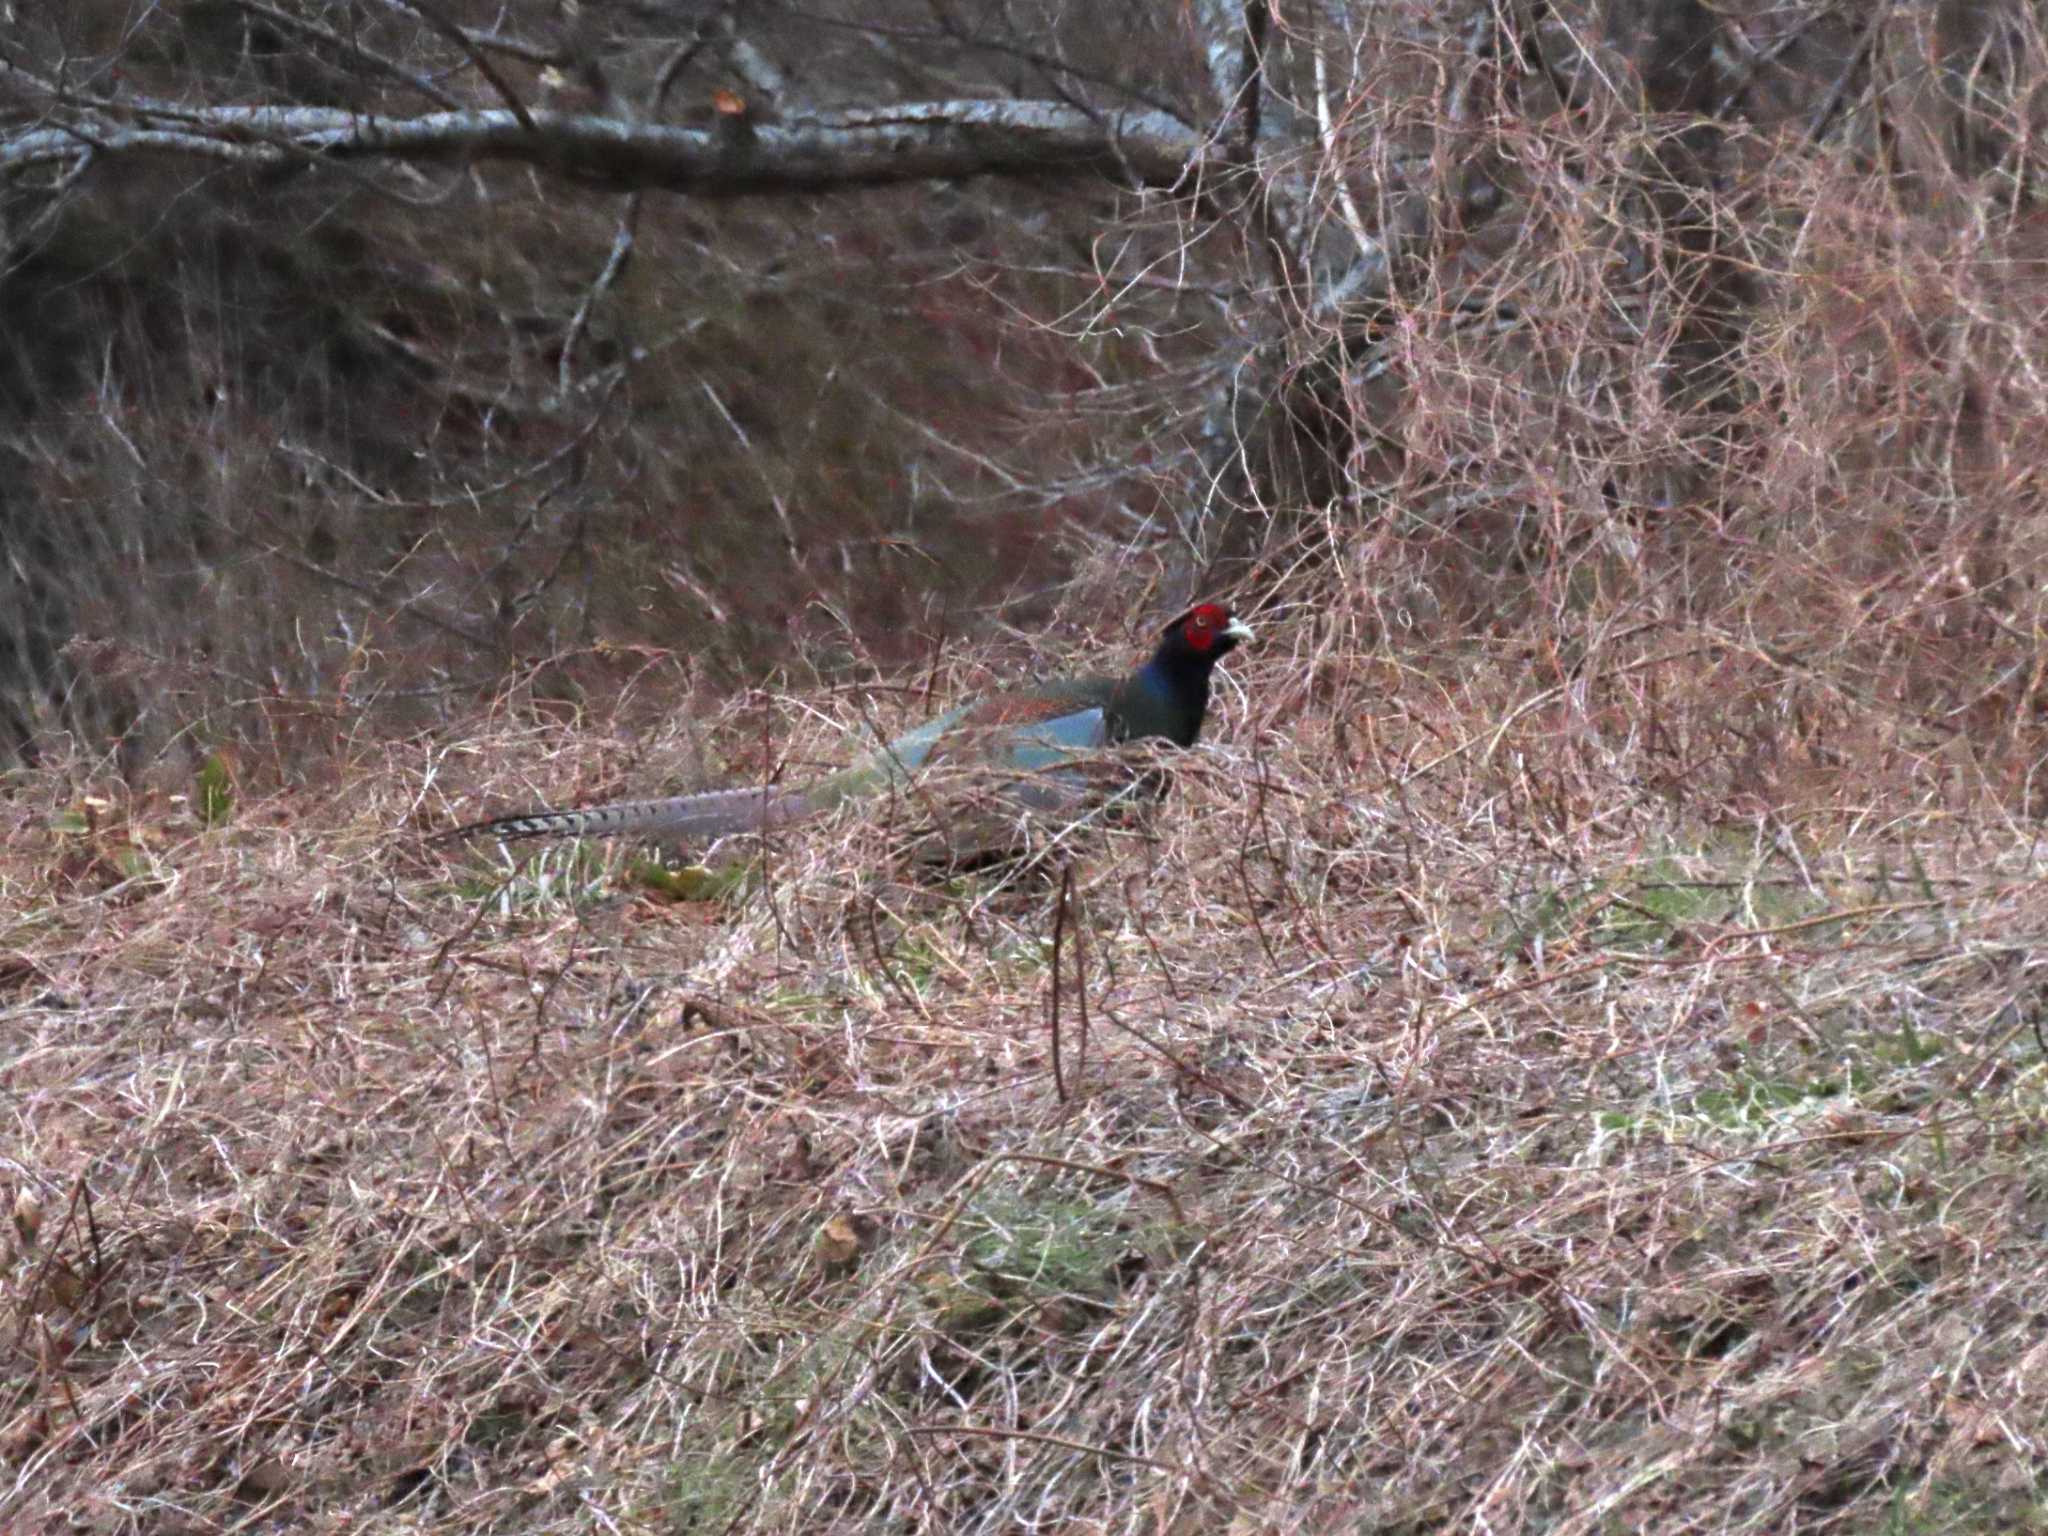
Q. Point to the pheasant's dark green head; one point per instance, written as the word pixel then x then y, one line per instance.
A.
pixel 1169 695
pixel 1202 636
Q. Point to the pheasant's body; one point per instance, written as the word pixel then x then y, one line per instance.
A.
pixel 1023 731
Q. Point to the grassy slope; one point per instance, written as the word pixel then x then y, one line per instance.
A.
pixel 1469 1133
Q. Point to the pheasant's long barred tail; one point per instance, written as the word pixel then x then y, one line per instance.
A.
pixel 717 813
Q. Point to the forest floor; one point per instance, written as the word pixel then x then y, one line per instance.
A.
pixel 1453 1109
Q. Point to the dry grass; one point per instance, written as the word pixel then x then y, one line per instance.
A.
pixel 1463 1135
pixel 1567 1057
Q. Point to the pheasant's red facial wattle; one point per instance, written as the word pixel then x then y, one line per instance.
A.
pixel 1204 625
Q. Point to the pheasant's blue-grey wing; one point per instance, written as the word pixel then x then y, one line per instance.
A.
pixel 1051 743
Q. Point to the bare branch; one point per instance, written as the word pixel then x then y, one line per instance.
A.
pixel 911 141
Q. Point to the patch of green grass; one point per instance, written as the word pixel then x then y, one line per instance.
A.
pixel 1051 1247
pixel 1960 1504
pixel 915 961
pixel 214 791
pixel 1660 902
pixel 1881 1071
pixel 725 884
pixel 704 1494
pixel 1750 1100
pixel 1030 1269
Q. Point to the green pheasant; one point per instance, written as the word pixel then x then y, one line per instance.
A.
pixel 1029 732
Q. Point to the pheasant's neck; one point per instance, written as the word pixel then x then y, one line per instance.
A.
pixel 1175 698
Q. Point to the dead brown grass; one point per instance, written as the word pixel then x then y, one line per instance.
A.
pixel 1568 1056
pixel 1466 1132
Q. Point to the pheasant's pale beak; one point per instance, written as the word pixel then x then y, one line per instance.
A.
pixel 1238 632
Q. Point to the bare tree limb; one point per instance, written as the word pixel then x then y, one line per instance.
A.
pixel 910 141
